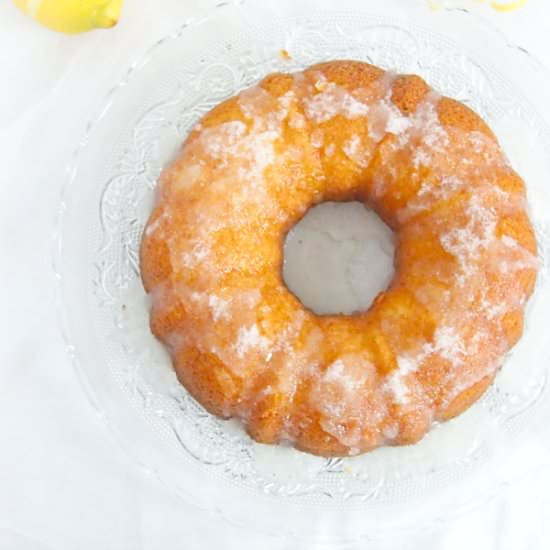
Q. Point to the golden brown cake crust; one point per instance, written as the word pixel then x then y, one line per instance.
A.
pixel 429 345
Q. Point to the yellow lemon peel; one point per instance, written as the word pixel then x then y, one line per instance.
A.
pixel 510 6
pixel 500 6
pixel 73 16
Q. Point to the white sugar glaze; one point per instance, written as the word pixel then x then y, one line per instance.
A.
pixel 222 210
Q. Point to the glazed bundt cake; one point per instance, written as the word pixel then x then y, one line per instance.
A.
pixel 429 345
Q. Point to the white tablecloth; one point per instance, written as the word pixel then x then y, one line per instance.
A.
pixel 64 482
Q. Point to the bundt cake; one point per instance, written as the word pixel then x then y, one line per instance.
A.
pixel 429 345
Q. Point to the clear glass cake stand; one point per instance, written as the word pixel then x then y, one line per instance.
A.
pixel 104 313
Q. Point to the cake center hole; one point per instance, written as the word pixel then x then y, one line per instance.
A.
pixel 338 258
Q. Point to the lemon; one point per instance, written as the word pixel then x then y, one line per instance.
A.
pixel 508 6
pixel 73 16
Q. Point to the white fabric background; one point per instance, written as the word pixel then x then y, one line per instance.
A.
pixel 64 482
